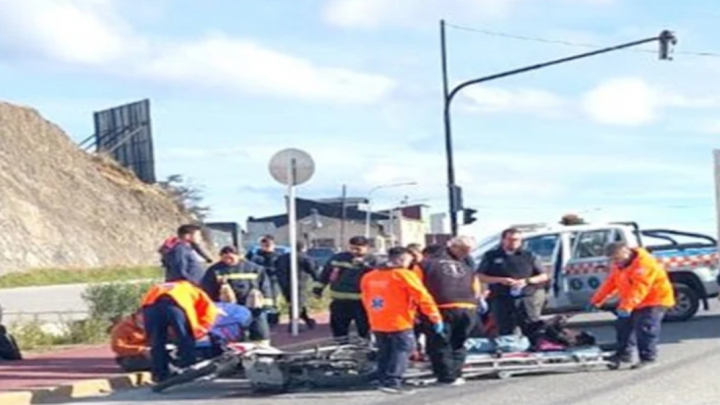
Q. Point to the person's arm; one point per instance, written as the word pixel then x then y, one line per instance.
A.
pixel 421 296
pixel 210 284
pixel 264 284
pixel 310 268
pixel 539 275
pixel 642 280
pixel 324 277
pixel 207 312
pixel 122 343
pixel 606 289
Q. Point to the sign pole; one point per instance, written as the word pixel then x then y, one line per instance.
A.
pixel 292 227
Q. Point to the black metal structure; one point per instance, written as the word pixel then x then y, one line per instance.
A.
pixel 666 39
pixel 125 133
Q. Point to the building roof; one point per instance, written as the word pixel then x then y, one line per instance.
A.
pixel 305 208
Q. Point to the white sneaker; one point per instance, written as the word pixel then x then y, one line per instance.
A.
pixel 458 382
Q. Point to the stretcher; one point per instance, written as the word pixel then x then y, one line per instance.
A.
pixel 353 363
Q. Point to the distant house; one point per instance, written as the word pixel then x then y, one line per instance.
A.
pixel 320 224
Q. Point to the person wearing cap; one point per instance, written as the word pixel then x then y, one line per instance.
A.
pixel 234 279
pixel 392 295
pixel 343 273
pixel 645 293
pixel 267 255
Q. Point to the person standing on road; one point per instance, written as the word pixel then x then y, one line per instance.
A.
pixel 236 280
pixel 184 309
pixel 306 270
pixel 267 256
pixel 516 280
pixel 415 266
pixel 645 294
pixel 391 296
pixel 455 287
pixel 180 258
pixel 343 273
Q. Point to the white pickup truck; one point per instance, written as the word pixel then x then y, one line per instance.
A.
pixel 573 256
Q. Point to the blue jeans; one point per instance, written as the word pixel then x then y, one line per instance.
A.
pixel 394 350
pixel 165 314
pixel 642 329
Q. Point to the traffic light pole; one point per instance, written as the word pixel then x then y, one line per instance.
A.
pixel 666 38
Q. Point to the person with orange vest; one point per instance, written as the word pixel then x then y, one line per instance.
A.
pixel 130 345
pixel 391 296
pixel 187 311
pixel 645 294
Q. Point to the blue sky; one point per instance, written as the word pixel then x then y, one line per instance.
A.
pixel 356 83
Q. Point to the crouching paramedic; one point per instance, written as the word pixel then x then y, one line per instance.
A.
pixel 343 273
pixel 185 309
pixel 456 289
pixel 237 280
pixel 645 294
pixel 130 345
pixel 391 296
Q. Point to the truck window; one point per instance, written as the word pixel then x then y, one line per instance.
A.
pixel 543 246
pixel 591 244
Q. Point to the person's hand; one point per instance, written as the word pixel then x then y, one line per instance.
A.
pixel 508 281
pixel 483 306
pixel 623 314
pixel 519 283
pixel 439 328
pixel 590 307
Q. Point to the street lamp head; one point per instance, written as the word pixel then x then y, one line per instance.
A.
pixel 667 40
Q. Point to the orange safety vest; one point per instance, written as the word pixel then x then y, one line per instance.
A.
pixel 643 283
pixel 391 298
pixel 200 310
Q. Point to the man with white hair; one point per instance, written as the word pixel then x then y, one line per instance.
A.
pixel 456 289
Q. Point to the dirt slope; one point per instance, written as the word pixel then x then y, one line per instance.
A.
pixel 62 207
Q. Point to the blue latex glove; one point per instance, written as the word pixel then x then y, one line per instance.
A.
pixel 622 314
pixel 439 328
pixel 591 308
pixel 482 306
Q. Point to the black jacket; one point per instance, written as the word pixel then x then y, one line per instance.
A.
pixel 182 262
pixel 519 265
pixel 343 273
pixel 450 281
pixel 266 259
pixel 306 272
pixel 241 277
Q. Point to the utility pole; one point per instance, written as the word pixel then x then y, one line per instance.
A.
pixel 666 39
pixel 343 214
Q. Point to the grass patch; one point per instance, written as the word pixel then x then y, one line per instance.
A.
pixel 45 277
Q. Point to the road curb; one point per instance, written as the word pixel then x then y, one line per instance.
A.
pixel 76 390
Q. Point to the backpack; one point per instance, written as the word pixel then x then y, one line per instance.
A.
pixel 9 349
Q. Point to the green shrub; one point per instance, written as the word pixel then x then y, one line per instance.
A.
pixel 42 277
pixel 108 302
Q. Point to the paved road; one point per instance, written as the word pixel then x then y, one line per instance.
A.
pixel 687 375
pixel 45 302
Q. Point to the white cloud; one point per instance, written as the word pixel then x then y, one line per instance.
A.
pixel 223 62
pixel 369 14
pixel 91 33
pixel 622 102
pixel 72 31
pixel 633 102
pixel 533 101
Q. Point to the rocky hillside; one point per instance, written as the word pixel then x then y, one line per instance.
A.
pixel 62 207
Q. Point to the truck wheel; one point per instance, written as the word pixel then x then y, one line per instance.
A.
pixel 687 304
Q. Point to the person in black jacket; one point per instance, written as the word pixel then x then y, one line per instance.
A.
pixel 267 256
pixel 343 273
pixel 306 270
pixel 239 281
pixel 517 284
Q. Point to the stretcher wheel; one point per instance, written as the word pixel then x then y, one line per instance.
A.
pixel 503 375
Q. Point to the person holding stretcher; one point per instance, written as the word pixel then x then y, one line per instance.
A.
pixel 391 296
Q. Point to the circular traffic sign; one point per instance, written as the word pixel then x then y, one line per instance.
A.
pixel 292 167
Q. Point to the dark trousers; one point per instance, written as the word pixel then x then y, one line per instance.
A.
pixel 642 329
pixel 134 364
pixel 447 352
pixel 511 313
pixel 165 314
pixel 394 349
pixel 345 312
pixel 259 328
pixel 303 310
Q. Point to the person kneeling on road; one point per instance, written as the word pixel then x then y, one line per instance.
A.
pixel 391 295
pixel 645 294
pixel 130 345
pixel 187 311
